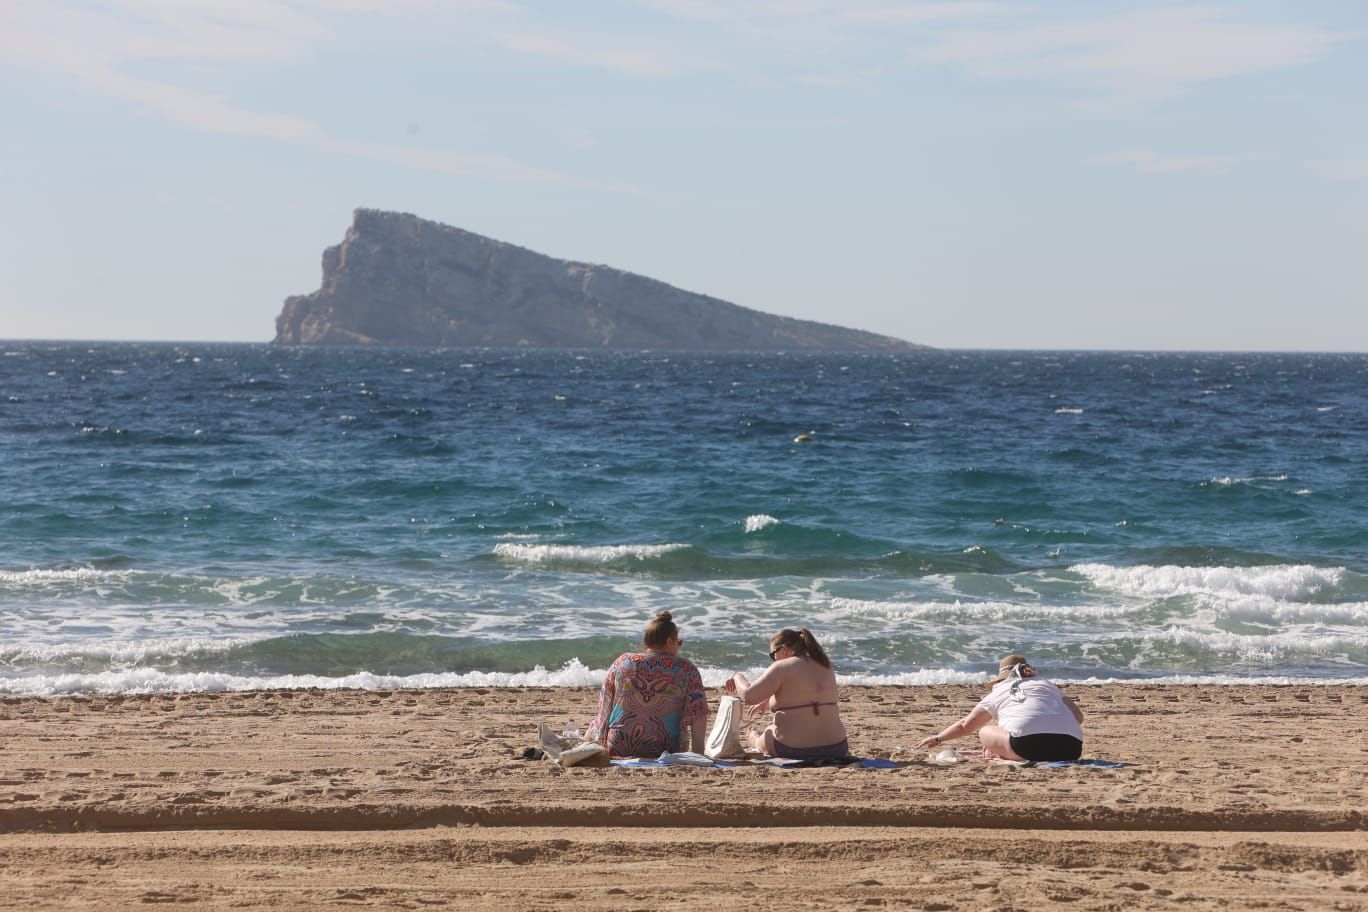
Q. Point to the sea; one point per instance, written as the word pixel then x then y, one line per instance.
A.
pixel 209 517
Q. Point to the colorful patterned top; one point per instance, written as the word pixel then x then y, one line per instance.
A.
pixel 648 698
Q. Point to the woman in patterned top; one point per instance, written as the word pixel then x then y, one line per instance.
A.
pixel 651 699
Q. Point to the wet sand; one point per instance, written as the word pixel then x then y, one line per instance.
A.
pixel 1233 798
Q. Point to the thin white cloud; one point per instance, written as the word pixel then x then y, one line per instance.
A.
pixel 98 47
pixel 494 167
pixel 750 37
pixel 1149 162
pixel 1138 56
pixel 130 30
pixel 824 11
pixel 1343 169
pixel 1145 53
pixel 578 138
pixel 832 80
pixel 626 54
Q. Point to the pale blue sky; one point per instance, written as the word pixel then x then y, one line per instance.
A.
pixel 963 174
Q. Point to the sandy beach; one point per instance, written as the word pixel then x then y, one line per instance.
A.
pixel 1233 797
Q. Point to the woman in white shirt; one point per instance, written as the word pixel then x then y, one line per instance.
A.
pixel 1024 717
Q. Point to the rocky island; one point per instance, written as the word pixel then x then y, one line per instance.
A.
pixel 397 279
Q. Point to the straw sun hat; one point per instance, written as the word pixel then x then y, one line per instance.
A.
pixel 1006 665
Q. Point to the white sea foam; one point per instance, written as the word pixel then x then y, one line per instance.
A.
pixel 572 674
pixel 147 680
pixel 1261 647
pixel 760 521
pixel 921 677
pixel 717 677
pixel 1261 609
pixel 1220 680
pixel 1064 410
pixel 1280 581
pixel 981 611
pixel 1226 481
pixel 121 651
pixel 74 574
pixel 586 554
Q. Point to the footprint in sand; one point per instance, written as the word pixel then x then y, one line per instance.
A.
pixel 63 796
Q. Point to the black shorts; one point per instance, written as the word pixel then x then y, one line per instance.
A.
pixel 1044 748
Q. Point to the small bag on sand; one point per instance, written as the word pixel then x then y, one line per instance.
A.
pixel 725 738
pixel 570 751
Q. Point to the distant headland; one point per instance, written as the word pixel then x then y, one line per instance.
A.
pixel 397 279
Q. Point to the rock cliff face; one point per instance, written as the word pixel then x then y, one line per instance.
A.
pixel 400 280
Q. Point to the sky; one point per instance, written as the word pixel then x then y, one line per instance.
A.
pixel 1060 175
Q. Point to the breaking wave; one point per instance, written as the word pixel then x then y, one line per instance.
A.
pixel 580 554
pixel 759 521
pixel 1286 581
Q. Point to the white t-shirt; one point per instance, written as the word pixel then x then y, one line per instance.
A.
pixel 1041 711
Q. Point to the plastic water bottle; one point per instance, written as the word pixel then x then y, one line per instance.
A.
pixel 571 730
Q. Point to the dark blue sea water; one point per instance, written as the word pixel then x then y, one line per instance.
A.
pixel 177 517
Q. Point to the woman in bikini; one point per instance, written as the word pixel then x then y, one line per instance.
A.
pixel 800 686
pixel 1035 720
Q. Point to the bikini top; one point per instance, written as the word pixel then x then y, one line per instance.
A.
pixel 814 704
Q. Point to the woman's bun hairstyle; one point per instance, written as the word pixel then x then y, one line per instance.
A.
pixel 659 631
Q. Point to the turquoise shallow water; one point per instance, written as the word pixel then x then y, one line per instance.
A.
pixel 207 516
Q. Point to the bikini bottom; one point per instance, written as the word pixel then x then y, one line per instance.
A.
pixel 835 751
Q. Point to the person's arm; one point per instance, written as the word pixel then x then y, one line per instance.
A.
pixel 695 712
pixel 598 729
pixel 759 690
pixel 698 734
pixel 1073 707
pixel 971 723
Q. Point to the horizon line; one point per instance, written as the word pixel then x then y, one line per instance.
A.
pixel 925 347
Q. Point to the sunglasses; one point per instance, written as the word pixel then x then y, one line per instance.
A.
pixel 774 652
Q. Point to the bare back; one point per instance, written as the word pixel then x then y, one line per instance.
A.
pixel 803 702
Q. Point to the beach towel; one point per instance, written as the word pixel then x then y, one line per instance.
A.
pixel 725 738
pixel 684 758
pixel 777 762
pixel 1061 764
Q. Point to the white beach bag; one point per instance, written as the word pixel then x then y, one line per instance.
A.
pixel 725 738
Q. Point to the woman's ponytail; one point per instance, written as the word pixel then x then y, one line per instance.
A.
pixel 812 648
pixel 803 643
